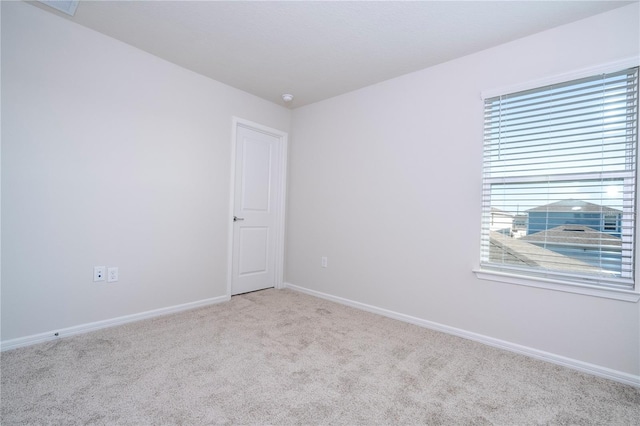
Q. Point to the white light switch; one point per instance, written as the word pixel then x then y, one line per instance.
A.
pixel 324 262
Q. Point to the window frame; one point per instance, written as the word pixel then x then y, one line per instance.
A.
pixel 554 283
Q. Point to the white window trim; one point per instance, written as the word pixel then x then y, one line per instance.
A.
pixel 548 283
pixel 558 285
pixel 564 77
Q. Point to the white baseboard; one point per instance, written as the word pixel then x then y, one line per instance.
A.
pixel 93 326
pixel 596 370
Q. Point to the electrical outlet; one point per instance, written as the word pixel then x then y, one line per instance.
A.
pixel 324 262
pixel 112 274
pixel 98 273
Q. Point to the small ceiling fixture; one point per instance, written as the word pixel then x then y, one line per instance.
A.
pixel 287 97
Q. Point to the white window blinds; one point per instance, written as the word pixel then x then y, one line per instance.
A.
pixel 559 181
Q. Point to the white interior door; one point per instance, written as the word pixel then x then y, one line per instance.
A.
pixel 257 210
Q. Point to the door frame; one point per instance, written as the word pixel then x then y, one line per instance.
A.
pixel 279 203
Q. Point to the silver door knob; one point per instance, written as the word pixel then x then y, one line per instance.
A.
pixel 236 218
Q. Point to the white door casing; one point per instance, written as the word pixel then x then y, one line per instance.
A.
pixel 257 207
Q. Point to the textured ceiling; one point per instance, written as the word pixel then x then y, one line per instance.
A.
pixel 316 50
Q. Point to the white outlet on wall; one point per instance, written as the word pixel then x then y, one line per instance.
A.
pixel 98 273
pixel 112 274
pixel 324 262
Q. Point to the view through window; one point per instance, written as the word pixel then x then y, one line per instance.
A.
pixel 559 181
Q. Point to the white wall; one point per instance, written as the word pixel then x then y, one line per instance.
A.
pixel 110 156
pixel 385 181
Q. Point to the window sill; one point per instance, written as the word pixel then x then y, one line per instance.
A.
pixel 556 285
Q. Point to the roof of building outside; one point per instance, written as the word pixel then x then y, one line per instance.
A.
pixel 574 235
pixel 574 206
pixel 514 251
pixel 497 211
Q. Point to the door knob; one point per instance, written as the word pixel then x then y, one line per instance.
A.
pixel 236 218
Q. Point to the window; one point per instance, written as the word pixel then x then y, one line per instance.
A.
pixel 611 223
pixel 561 160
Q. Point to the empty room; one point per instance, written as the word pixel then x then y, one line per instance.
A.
pixel 319 212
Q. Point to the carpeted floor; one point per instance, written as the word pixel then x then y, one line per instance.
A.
pixel 280 357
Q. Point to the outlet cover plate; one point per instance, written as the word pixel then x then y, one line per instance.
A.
pixel 99 273
pixel 112 274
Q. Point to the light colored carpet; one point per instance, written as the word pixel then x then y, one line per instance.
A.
pixel 280 357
